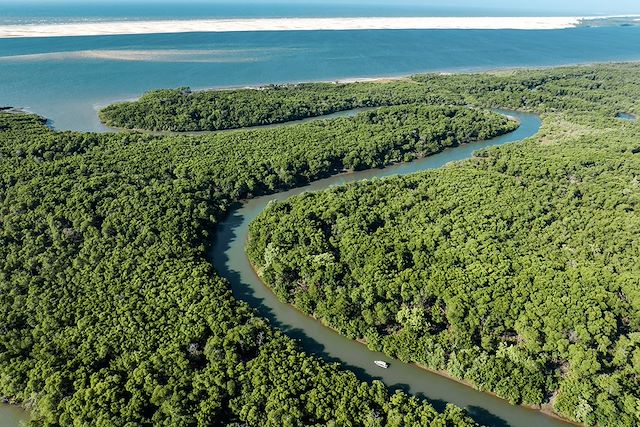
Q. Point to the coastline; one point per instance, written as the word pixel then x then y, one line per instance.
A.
pixel 469 385
pixel 33 34
pixel 338 80
pixel 104 28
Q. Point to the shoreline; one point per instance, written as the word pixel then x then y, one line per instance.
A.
pixel 545 408
pixel 104 28
pixel 462 382
pixel 383 78
pixel 345 80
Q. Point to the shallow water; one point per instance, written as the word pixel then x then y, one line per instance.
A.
pixel 231 262
pixel 61 11
pixel 627 117
pixel 66 79
pixel 12 416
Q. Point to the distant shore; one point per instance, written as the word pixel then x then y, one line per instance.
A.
pixel 290 24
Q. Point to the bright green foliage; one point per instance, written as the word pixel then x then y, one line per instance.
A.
pixel 112 316
pixel 516 271
pixel 183 110
pixel 607 88
pixel 111 313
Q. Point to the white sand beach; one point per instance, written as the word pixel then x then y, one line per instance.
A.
pixel 285 24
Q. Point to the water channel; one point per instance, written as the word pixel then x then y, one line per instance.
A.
pixel 231 262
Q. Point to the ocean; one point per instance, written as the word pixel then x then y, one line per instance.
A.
pixel 67 78
pixel 34 11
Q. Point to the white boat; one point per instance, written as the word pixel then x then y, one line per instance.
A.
pixel 381 364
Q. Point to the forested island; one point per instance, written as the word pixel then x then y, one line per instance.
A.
pixel 184 110
pixel 113 315
pixel 596 88
pixel 516 271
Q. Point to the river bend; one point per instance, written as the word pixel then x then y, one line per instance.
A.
pixel 231 262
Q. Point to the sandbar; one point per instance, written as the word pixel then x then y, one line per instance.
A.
pixel 102 28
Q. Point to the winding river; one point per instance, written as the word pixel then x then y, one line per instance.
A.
pixel 231 262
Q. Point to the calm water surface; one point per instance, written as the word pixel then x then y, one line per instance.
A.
pixel 231 262
pixel 12 416
pixel 627 117
pixel 62 11
pixel 66 79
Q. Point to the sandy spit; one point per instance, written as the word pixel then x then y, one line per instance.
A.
pixel 285 24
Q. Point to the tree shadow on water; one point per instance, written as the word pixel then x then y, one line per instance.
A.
pixel 484 417
pixel 438 404
pixel 219 255
pixel 225 247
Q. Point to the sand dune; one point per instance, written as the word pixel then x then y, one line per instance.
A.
pixel 285 24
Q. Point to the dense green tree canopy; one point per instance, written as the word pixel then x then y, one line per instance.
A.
pixel 516 271
pixel 111 313
pixel 606 88
pixel 185 110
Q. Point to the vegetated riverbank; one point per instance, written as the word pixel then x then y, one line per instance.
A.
pixel 279 58
pixel 545 409
pixel 554 89
pixel 160 195
pixel 233 264
pixel 474 188
pixel 330 116
pixel 131 214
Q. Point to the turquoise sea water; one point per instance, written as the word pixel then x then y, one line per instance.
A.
pixel 66 79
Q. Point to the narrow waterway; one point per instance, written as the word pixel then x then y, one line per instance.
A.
pixel 627 117
pixel 12 415
pixel 15 416
pixel 231 262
